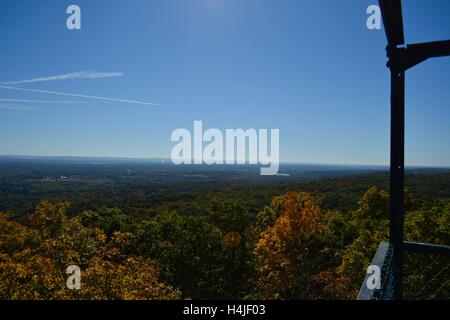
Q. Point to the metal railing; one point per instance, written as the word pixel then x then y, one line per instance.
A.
pixel 382 259
pixel 426 273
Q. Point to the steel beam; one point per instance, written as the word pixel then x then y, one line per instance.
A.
pixel 426 248
pixel 393 21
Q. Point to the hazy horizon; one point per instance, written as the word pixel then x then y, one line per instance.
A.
pixel 167 160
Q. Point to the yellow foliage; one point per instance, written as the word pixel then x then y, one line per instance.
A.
pixel 33 261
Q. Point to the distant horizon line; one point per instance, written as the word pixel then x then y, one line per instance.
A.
pixel 169 161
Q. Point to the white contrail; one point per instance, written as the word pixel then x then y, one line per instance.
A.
pixel 80 96
pixel 70 76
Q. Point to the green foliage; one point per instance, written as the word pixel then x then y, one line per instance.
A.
pixel 430 224
pixel 195 256
pixel 109 220
pixel 229 216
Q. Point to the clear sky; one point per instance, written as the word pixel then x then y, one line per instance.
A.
pixel 308 67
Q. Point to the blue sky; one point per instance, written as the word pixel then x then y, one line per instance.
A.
pixel 310 68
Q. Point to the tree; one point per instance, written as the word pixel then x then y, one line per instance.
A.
pixel 109 220
pixel 113 275
pixel 33 261
pixel 371 221
pixel 293 252
pixel 190 252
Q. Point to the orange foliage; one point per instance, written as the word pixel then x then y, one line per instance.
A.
pixel 291 252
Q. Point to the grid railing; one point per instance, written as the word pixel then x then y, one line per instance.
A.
pixel 426 273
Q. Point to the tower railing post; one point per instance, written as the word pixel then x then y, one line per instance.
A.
pixel 397 171
pixel 401 58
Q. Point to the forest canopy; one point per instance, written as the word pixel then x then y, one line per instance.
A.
pixel 295 247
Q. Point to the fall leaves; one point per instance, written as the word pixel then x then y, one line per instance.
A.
pixel 292 249
pixel 33 261
pixel 293 252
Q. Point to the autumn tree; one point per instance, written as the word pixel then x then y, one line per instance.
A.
pixel 115 275
pixel 33 260
pixel 294 252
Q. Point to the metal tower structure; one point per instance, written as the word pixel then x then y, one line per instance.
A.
pixel 401 57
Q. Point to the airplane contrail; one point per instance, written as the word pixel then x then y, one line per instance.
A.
pixel 70 76
pixel 80 96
